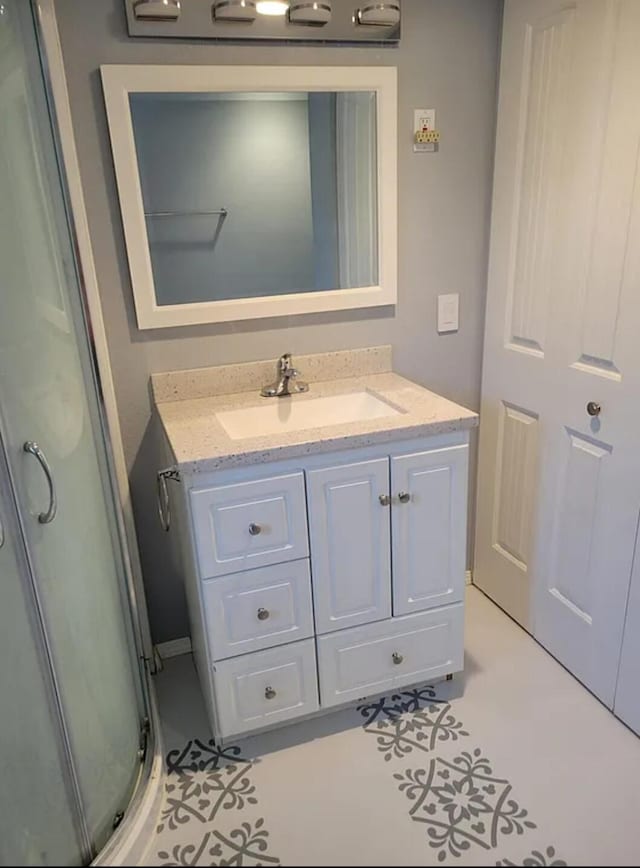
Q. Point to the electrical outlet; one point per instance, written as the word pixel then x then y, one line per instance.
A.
pixel 424 119
pixel 424 130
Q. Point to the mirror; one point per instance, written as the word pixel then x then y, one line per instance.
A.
pixel 241 202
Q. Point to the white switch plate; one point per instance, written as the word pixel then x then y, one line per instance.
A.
pixel 448 307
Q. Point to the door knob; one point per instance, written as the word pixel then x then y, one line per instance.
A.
pixel 593 408
pixel 384 499
pixel 263 614
pixel 397 658
pixel 269 693
pixel 254 529
pixel 404 497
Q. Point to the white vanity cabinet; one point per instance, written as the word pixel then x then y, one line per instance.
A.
pixel 323 580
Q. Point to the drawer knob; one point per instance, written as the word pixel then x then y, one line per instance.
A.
pixel 384 499
pixel 263 614
pixel 404 497
pixel 269 693
pixel 397 658
pixel 254 529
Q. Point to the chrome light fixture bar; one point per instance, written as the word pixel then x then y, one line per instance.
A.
pixel 358 22
pixel 234 10
pixel 313 12
pixel 379 14
pixel 157 10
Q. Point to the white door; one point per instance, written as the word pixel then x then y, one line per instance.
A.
pixel 429 528
pixel 559 489
pixel 349 522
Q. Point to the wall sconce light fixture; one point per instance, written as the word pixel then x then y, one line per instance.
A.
pixel 234 10
pixel 379 14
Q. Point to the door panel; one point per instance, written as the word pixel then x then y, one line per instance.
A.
pixel 48 395
pixel 350 544
pixel 546 44
pixel 533 117
pixel 590 502
pixel 567 486
pixel 517 451
pixel 429 529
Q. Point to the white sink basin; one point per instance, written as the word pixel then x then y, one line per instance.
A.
pixel 281 415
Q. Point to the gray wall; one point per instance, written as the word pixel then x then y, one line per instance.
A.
pixel 448 60
pixel 252 157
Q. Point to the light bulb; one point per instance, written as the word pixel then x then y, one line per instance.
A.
pixel 272 7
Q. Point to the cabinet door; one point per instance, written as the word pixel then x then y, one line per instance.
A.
pixel 350 544
pixel 429 521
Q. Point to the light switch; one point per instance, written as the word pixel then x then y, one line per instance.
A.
pixel 448 312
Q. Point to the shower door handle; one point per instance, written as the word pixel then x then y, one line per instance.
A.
pixel 33 449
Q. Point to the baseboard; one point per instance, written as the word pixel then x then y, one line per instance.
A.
pixel 468 578
pixel 174 648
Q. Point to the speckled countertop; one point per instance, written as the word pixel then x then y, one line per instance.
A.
pixel 200 443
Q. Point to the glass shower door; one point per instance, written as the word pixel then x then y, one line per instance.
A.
pixel 49 418
pixel 35 829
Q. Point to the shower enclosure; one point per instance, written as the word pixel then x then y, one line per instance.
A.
pixel 73 716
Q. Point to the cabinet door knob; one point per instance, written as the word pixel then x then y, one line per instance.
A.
pixel 263 614
pixel 269 693
pixel 384 499
pixel 404 497
pixel 593 408
pixel 397 658
pixel 254 529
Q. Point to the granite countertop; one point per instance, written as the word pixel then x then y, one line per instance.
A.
pixel 200 444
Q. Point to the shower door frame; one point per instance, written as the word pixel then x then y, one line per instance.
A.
pixel 111 471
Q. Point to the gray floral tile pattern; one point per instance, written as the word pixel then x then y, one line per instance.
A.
pixel 465 809
pixel 461 802
pixel 205 782
pixel 537 858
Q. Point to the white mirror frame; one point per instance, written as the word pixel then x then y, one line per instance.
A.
pixel 118 81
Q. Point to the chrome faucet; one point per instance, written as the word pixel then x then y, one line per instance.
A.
pixel 286 384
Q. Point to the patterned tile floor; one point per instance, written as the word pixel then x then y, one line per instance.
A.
pixel 513 763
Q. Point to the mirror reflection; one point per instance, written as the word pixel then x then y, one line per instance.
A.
pixel 257 194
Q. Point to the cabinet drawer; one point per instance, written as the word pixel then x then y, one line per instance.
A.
pixel 249 524
pixel 259 689
pixel 258 609
pixel 387 655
